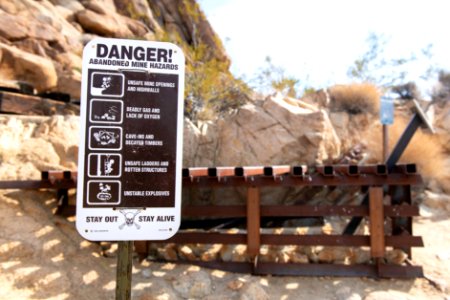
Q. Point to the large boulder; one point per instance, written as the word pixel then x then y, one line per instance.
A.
pixel 276 132
pixel 34 144
pixel 272 132
pixel 36 70
pixel 110 25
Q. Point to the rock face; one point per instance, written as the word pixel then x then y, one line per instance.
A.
pixel 276 132
pixel 271 132
pixel 34 144
pixel 41 42
pixel 16 63
pixel 268 133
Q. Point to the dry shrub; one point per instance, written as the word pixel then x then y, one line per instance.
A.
pixel 424 149
pixel 355 98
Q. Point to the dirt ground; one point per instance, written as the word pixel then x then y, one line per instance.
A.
pixel 43 257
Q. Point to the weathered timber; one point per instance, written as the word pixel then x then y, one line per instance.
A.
pixel 23 104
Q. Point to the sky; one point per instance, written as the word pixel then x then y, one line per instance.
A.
pixel 317 41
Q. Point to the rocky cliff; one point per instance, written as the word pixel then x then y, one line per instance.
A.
pixel 41 42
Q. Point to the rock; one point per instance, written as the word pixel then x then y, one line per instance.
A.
pixel 388 295
pixel 100 24
pixel 267 254
pixel 440 283
pixel 12 28
pixel 41 153
pixel 360 256
pixel 334 255
pixel 396 257
pixel 191 136
pixel 235 284
pixel 70 83
pixel 346 293
pixel 276 128
pixel 101 7
pixel 23 171
pixel 210 252
pixel 110 25
pixel 298 258
pixel 139 9
pixel 207 144
pixel 169 252
pixel 235 253
pixel 311 252
pixel 253 291
pixel 10 250
pixel 30 68
pixel 38 144
pixel 17 27
pixel 194 284
pixel 158 291
pixel 437 201
pixel 284 253
pixel 185 252
pixel 67 8
pixel 63 133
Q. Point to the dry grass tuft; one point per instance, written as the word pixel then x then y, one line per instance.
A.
pixel 424 149
pixel 355 98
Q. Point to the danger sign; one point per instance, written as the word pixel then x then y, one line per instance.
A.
pixel 130 155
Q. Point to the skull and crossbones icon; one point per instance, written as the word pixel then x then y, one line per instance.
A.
pixel 130 216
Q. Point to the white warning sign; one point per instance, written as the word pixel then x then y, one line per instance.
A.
pixel 130 155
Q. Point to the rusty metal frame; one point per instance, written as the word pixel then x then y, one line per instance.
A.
pixel 286 269
pixel 373 177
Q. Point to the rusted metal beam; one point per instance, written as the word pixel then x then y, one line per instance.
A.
pixel 379 169
pixel 401 225
pixel 408 241
pixel 37 184
pixel 291 176
pixel 394 271
pixel 206 238
pixel 197 172
pixel 214 211
pixel 299 170
pixel 253 221
pixel 313 210
pixel 225 171
pixel 276 170
pixel 401 211
pixel 406 168
pixel 349 170
pixel 249 171
pixel 53 175
pixel 376 222
pixel 239 211
pixel 315 270
pixel 313 180
pixel 326 170
pixel 288 269
pixel 315 240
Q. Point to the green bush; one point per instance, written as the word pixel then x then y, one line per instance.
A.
pixel 210 88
